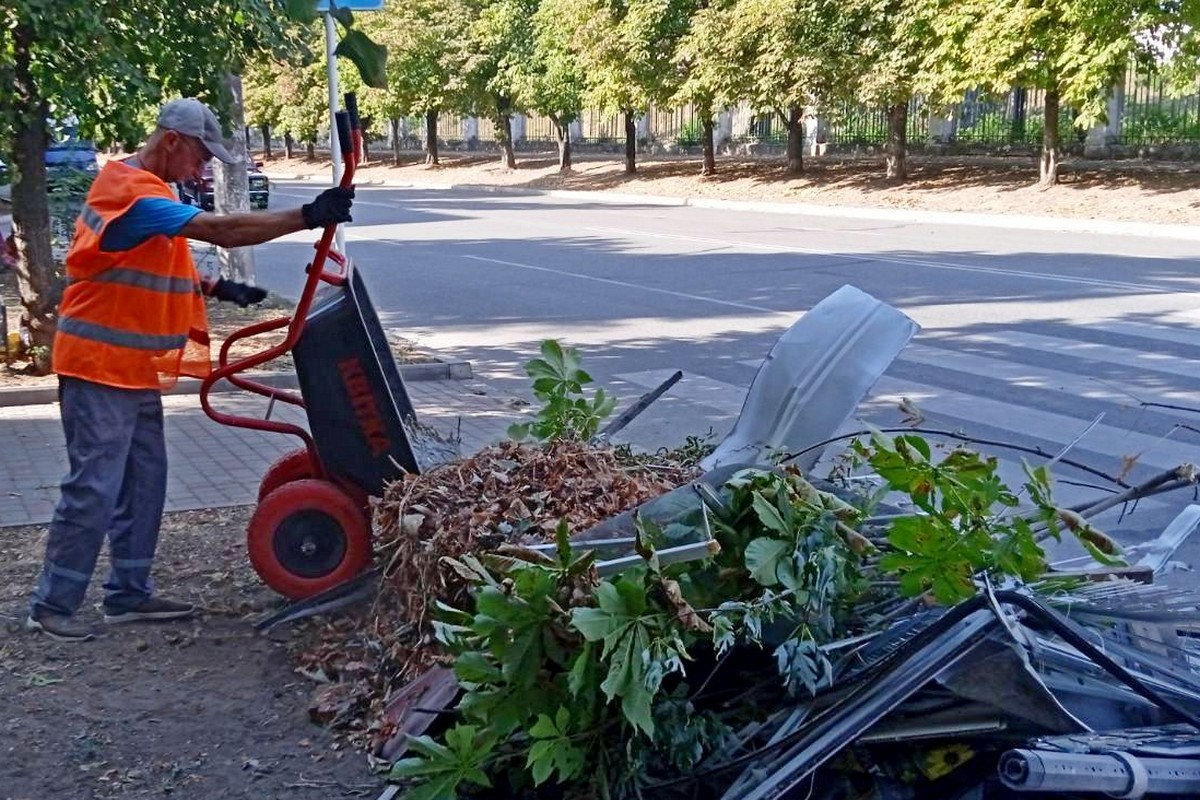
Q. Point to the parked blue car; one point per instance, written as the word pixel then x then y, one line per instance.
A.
pixel 66 159
pixel 70 157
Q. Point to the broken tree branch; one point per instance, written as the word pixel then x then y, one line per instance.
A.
pixel 962 437
pixel 1168 481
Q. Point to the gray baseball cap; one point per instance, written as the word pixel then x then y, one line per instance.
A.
pixel 189 116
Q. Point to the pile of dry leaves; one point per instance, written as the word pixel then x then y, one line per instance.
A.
pixel 508 493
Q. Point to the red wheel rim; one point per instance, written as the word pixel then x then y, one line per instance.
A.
pixel 308 536
pixel 292 466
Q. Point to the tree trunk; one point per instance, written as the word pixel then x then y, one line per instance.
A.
pixel 562 132
pixel 266 134
pixel 795 140
pixel 630 142
pixel 37 285
pixel 311 149
pixel 246 131
pixel 503 123
pixel 706 143
pixel 396 141
pixel 1048 168
pixel 231 189
pixel 365 128
pixel 289 145
pixel 897 142
pixel 431 143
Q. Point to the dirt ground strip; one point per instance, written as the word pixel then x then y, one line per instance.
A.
pixel 201 709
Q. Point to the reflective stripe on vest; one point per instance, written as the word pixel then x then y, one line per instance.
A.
pixel 146 280
pixel 91 218
pixel 103 333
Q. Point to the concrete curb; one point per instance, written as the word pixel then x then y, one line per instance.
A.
pixel 434 371
pixel 1063 224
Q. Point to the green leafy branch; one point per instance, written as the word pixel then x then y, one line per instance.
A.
pixel 558 381
pixel 965 525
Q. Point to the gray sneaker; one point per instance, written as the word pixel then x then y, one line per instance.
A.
pixel 59 627
pixel 154 609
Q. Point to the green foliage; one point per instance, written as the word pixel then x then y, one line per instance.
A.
pixel 793 542
pixel 428 48
pixel 640 648
pixel 552 750
pixel 965 526
pixel 552 82
pixel 444 767
pixel 558 381
pixel 554 661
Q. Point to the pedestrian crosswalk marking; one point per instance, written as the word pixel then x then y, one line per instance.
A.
pixel 1180 335
pixel 1044 425
pixel 1025 376
pixel 1089 351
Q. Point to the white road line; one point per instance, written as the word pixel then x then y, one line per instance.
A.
pixel 635 286
pixel 909 262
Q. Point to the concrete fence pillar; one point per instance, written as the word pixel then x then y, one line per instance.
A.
pixel 470 131
pixel 518 127
pixel 1101 137
pixel 641 126
pixel 723 130
pixel 816 133
pixel 942 124
pixel 575 131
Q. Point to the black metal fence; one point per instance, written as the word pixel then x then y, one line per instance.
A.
pixel 600 128
pixel 858 124
pixel 1154 112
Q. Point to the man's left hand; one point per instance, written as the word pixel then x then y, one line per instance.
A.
pixel 241 293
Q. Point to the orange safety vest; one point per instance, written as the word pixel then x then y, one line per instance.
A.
pixel 129 318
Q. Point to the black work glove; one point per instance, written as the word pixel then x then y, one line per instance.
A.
pixel 330 206
pixel 241 293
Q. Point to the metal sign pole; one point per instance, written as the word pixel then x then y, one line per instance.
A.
pixel 335 151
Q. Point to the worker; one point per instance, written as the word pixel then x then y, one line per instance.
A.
pixel 131 321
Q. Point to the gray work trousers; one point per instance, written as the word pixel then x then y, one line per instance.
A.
pixel 115 489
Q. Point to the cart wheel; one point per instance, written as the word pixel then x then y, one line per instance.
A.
pixel 297 466
pixel 291 466
pixel 307 536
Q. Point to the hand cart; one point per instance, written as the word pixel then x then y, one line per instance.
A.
pixel 311 530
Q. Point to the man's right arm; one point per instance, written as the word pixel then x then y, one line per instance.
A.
pixel 244 229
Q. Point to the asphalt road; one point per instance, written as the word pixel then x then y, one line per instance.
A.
pixel 1026 335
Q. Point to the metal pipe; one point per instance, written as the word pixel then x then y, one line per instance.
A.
pixel 1117 774
pixel 335 150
